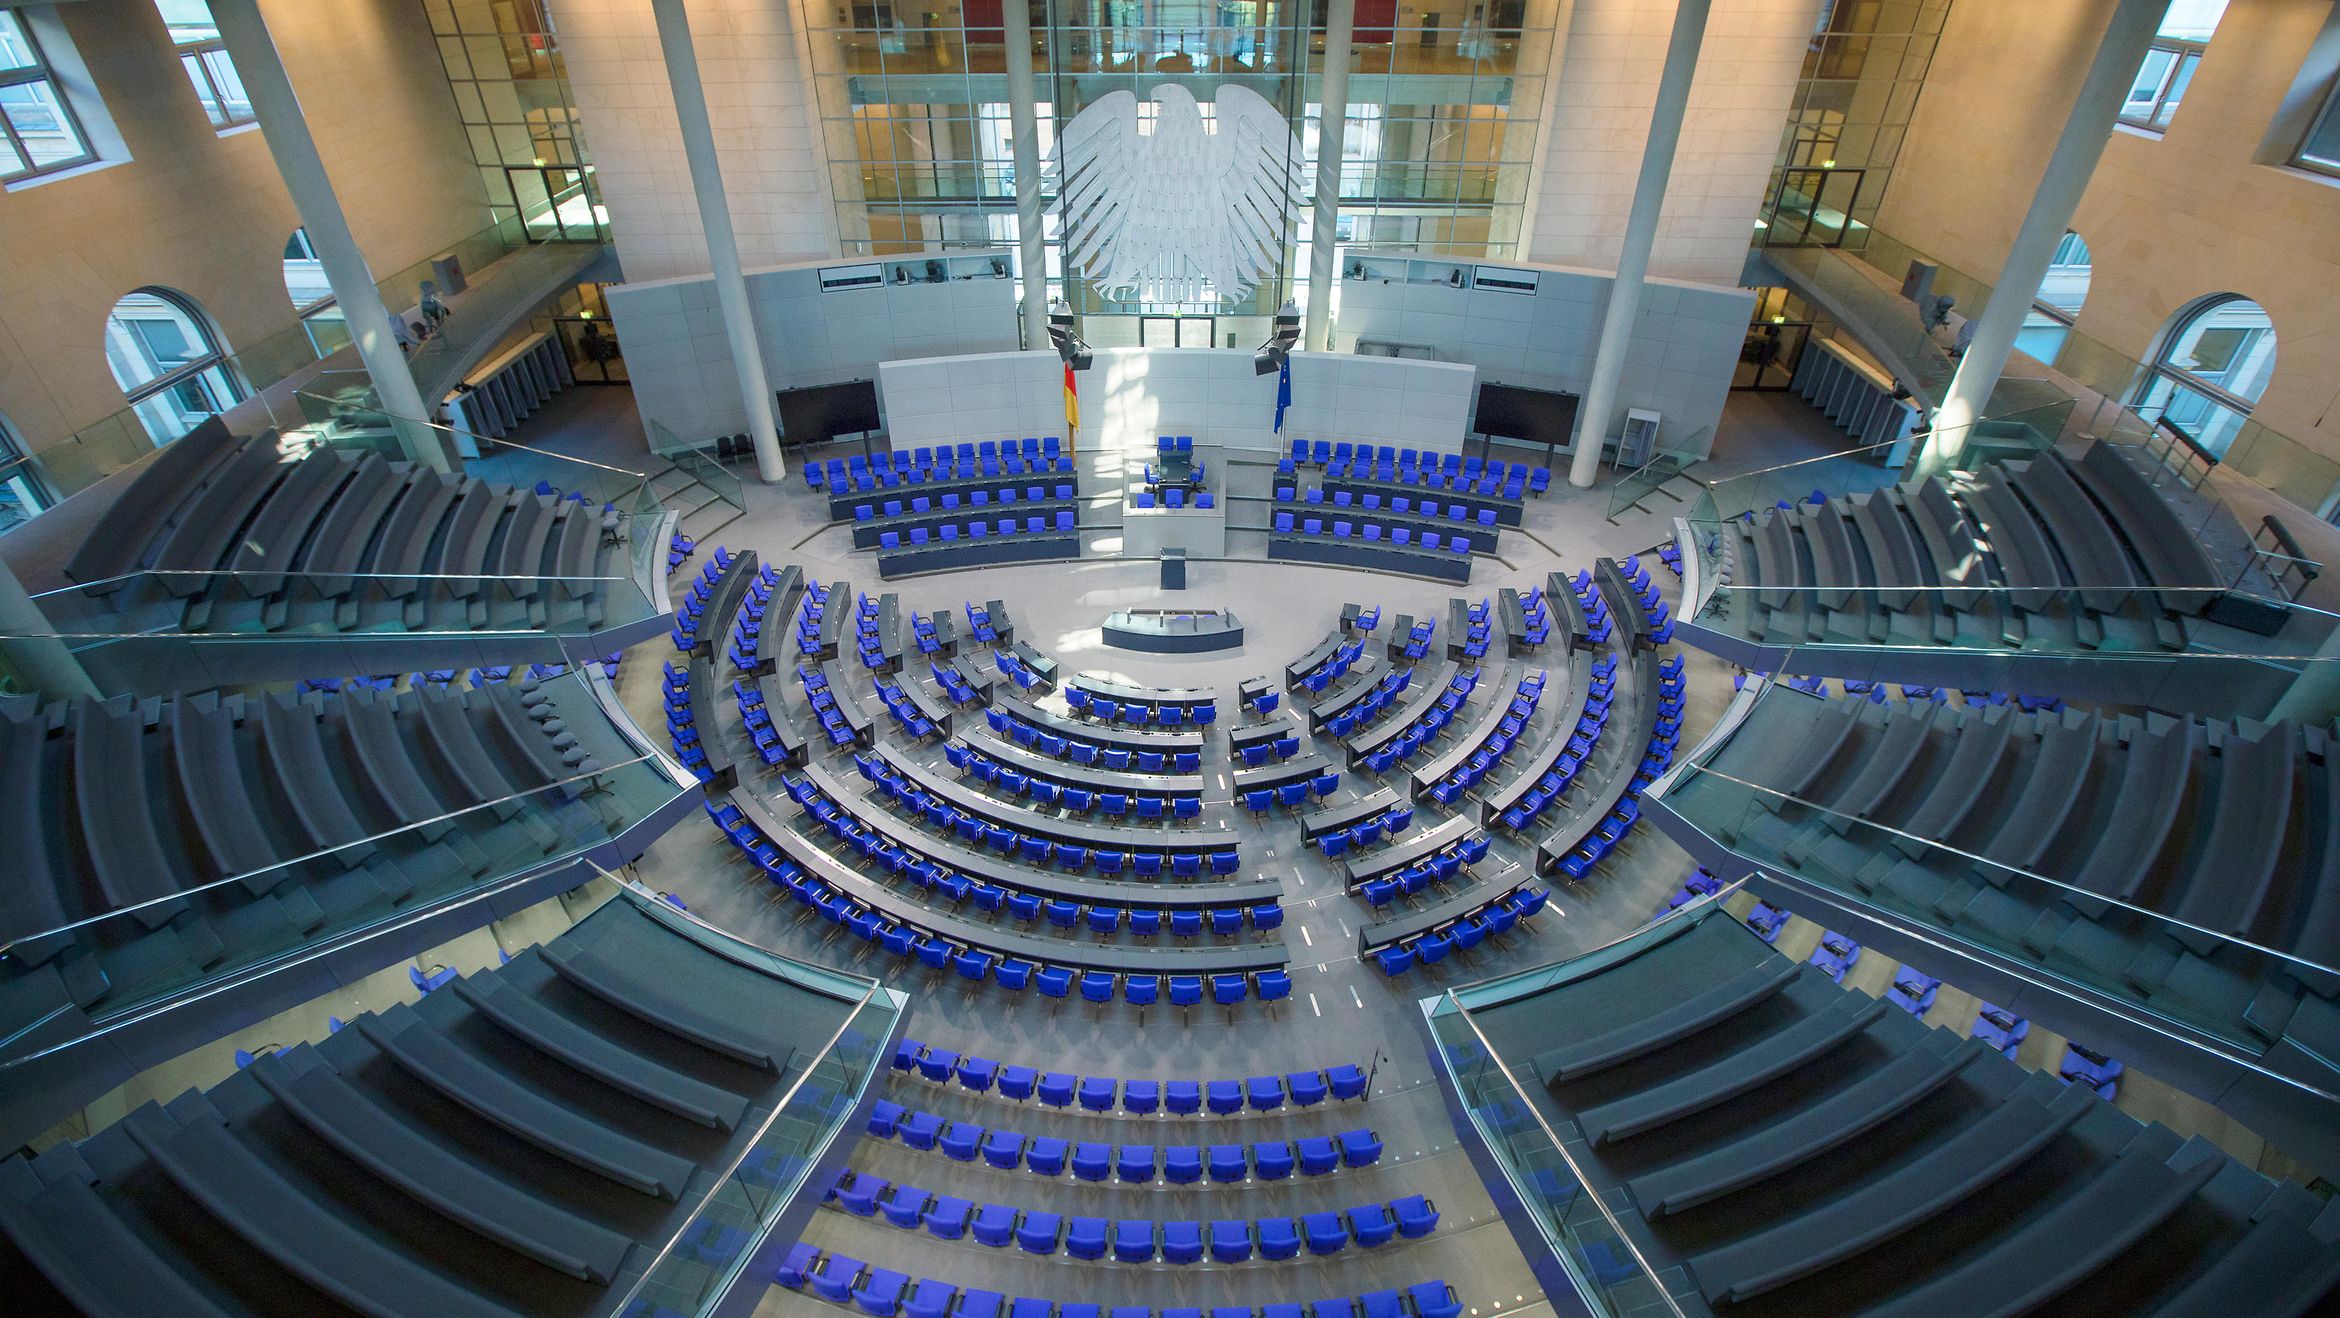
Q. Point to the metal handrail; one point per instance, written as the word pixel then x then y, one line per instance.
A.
pixel 870 989
pixel 1583 1181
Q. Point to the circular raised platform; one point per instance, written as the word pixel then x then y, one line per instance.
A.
pixel 1173 631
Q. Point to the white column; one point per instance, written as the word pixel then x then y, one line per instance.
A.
pixel 1024 131
pixel 2070 165
pixel 1649 199
pixel 739 323
pixel 40 660
pixel 1340 30
pixel 278 109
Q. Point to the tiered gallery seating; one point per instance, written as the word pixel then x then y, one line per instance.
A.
pixel 499 1147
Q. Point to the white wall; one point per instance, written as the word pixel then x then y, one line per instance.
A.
pixel 767 133
pixel 679 356
pixel 1606 73
pixel 1130 395
pixel 1685 341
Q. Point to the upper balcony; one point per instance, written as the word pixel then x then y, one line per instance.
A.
pixel 2167 887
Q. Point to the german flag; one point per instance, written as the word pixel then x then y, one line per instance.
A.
pixel 1072 408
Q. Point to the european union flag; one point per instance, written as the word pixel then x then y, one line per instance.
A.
pixel 1283 393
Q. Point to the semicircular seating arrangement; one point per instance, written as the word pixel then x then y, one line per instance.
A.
pixel 499 1147
pixel 336 541
pixel 1786 1146
pixel 155 845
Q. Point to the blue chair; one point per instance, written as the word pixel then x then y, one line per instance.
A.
pixel 1038 1232
pixel 1046 1157
pixel 1272 1160
pixel 1231 1241
pixel 1182 1242
pixel 1182 1164
pixel 1134 1163
pixel 1133 1242
pixel 1229 1163
pixel 1084 1238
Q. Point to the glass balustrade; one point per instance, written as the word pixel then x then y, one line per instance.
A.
pixel 2205 963
pixel 1585 1233
pixel 200 937
pixel 704 1258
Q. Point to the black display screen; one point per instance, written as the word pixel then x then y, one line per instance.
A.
pixel 1539 416
pixel 824 411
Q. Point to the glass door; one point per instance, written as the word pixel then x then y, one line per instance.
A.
pixel 554 203
pixel 1813 207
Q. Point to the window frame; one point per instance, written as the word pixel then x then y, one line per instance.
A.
pixel 193 60
pixel 2326 118
pixel 2185 58
pixel 214 372
pixel 2164 373
pixel 41 72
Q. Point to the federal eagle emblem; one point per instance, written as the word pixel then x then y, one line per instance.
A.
pixel 1187 212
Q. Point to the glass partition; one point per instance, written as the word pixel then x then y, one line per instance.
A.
pixel 176 617
pixel 1664 465
pixel 703 1259
pixel 1583 1232
pixel 368 887
pixel 2095 942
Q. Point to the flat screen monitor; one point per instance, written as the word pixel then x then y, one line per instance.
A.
pixel 1538 416
pixel 821 412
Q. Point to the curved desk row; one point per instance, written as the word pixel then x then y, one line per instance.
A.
pixel 991 868
pixel 1202 836
pixel 948 556
pixel 1371 555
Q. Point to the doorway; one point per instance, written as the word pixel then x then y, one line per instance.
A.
pixel 1777 335
pixel 1177 331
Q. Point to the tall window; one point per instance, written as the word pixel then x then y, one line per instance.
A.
pixel 168 363
pixel 205 58
pixel 312 296
pixel 2215 361
pixel 2169 66
pixel 41 132
pixel 2061 293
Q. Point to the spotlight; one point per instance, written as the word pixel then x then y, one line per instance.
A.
pixel 1069 346
pixel 1271 355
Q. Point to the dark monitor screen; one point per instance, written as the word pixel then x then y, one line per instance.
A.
pixel 1539 416
pixel 824 411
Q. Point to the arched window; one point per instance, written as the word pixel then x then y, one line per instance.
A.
pixel 2060 296
pixel 168 362
pixel 312 297
pixel 2214 361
